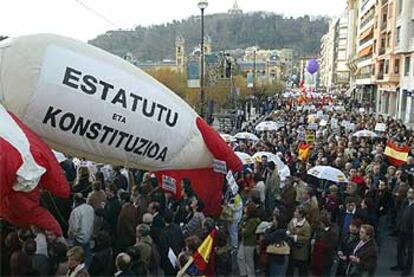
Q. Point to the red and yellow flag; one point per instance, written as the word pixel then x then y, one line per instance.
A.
pixel 397 155
pixel 304 151
pixel 202 263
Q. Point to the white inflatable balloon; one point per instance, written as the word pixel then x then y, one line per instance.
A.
pixel 88 103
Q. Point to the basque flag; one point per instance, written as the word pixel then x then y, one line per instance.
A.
pixel 27 166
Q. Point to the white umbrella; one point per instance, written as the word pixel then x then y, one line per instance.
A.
pixel 245 158
pixel 365 133
pixel 284 170
pixel 328 173
pixel 228 138
pixel 268 126
pixel 246 135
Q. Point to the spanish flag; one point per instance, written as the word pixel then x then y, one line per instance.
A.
pixel 202 263
pixel 397 155
pixel 304 151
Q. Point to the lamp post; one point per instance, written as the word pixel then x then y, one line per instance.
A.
pixel 202 5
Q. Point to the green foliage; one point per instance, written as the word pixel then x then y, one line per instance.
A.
pixel 266 30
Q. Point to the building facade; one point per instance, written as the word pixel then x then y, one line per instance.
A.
pixel 387 62
pixel 364 79
pixel 404 48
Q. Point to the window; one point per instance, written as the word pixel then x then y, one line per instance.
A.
pixel 397 66
pixel 389 39
pixel 400 4
pixel 407 66
pixel 386 66
pixel 412 27
pixel 398 35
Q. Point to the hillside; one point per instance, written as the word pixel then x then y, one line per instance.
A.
pixel 267 30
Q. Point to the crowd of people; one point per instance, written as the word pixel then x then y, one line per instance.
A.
pixel 119 222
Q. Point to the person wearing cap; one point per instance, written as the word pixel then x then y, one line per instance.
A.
pixel 347 245
pixel 81 224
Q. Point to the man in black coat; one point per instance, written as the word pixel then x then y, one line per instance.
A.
pixel 171 238
pixel 405 235
pixel 157 222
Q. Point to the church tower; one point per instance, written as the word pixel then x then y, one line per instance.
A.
pixel 235 10
pixel 180 53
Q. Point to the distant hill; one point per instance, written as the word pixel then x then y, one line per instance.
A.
pixel 266 30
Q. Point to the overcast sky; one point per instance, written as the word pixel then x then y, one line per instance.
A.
pixel 71 18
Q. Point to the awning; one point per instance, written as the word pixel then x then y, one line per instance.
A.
pixel 367 33
pixel 365 52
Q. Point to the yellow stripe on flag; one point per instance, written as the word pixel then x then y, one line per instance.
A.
pixel 402 156
pixel 206 248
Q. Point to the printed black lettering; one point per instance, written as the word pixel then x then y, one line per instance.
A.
pixel 69 123
pixel 128 147
pixel 120 97
pixel 89 84
pixel 123 135
pixel 70 75
pixel 162 155
pixel 94 131
pixel 105 89
pixel 142 142
pixel 113 137
pixel 107 130
pixel 171 123
pixel 162 109
pixel 153 150
pixel 146 149
pixel 51 115
pixel 136 99
pixel 144 109
pixel 81 127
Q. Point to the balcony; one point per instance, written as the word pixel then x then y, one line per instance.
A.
pixel 364 76
pixel 369 57
pixel 366 20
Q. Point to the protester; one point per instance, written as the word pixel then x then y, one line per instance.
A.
pixel 76 262
pixel 129 226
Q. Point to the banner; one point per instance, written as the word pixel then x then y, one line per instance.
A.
pixel 88 103
pixel 231 182
pixel 169 184
pixel 219 166
pixel 380 127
